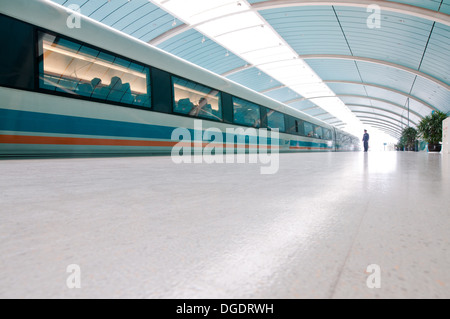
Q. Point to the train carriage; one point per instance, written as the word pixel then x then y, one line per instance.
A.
pixel 94 91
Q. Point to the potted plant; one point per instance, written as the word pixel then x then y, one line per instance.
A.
pixel 400 146
pixel 430 130
pixel 409 136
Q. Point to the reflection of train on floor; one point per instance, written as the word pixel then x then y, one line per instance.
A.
pixel 63 95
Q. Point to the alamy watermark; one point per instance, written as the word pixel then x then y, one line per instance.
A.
pixel 374 20
pixel 209 146
pixel 74 279
pixel 374 279
pixel 74 19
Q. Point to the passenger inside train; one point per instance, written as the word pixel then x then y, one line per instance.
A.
pixel 318 133
pixel 116 91
pixel 252 119
pixel 201 108
pixel 96 88
pixel 184 106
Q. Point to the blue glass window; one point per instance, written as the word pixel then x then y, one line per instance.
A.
pixel 309 129
pixel 246 113
pixel 275 120
pixel 318 132
pixel 84 71
pixel 327 134
pixel 196 100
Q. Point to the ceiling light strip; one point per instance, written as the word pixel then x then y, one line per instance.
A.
pixel 256 42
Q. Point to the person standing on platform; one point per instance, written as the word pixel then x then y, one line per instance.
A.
pixel 366 141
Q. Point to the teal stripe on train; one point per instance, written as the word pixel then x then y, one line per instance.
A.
pixel 33 122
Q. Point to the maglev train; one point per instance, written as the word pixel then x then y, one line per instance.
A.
pixel 94 91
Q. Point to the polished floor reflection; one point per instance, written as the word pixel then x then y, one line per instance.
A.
pixel 148 228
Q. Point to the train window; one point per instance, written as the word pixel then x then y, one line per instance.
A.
pixel 309 129
pixel 246 113
pixel 80 70
pixel 16 57
pixel 275 120
pixel 318 132
pixel 294 126
pixel 196 100
pixel 327 134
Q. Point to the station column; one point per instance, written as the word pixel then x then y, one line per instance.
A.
pixel 446 136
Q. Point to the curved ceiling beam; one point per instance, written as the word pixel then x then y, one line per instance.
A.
pixel 380 109
pixel 310 108
pixel 371 119
pixel 392 133
pixel 329 118
pixel 237 70
pixel 384 5
pixel 386 130
pixel 431 107
pixel 322 114
pixel 418 73
pixel 382 124
pixel 272 4
pixel 404 108
pixel 380 115
pixel 169 34
pixel 336 123
pixel 359 97
pixel 186 27
pixel 369 113
pixel 375 61
pixel 273 89
pixel 382 87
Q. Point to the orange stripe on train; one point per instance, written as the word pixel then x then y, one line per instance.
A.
pixel 53 140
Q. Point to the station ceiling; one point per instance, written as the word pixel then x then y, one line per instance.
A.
pixel 390 70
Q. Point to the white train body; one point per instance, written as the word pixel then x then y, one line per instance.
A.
pixel 43 115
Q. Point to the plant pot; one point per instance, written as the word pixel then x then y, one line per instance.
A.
pixel 434 148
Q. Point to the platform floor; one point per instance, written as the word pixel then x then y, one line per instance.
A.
pixel 148 228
